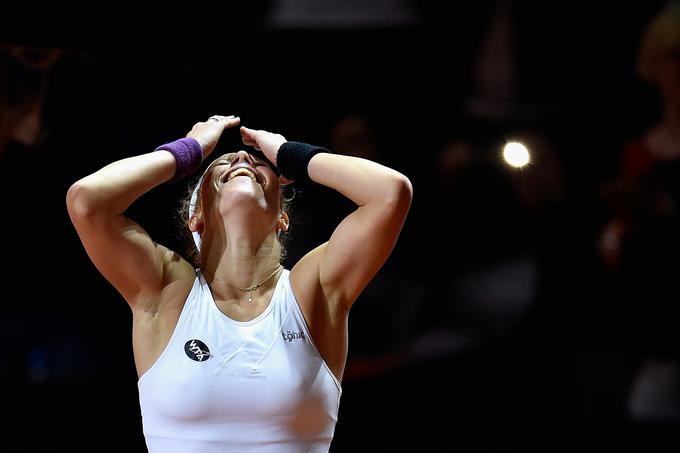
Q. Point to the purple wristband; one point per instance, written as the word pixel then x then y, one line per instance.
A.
pixel 188 155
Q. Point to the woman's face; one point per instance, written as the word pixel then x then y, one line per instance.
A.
pixel 241 180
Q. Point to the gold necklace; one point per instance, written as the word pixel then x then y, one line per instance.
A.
pixel 250 288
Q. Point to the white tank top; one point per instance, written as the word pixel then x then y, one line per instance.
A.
pixel 223 385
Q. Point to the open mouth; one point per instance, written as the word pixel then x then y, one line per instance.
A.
pixel 242 170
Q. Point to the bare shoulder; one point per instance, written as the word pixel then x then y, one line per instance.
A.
pixel 304 278
pixel 326 319
pixel 321 312
pixel 178 277
pixel 156 314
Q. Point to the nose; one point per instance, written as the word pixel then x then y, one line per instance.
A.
pixel 243 157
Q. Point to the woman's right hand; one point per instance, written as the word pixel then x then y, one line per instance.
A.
pixel 208 133
pixel 267 142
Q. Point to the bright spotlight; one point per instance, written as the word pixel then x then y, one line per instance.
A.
pixel 516 154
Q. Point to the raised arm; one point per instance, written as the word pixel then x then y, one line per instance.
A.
pixel 122 251
pixel 361 243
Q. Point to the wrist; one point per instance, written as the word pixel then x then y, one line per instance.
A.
pixel 292 159
pixel 188 155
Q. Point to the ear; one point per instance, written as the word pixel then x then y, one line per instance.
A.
pixel 195 224
pixel 285 181
pixel 283 222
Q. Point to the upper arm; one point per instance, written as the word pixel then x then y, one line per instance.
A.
pixel 123 251
pixel 361 244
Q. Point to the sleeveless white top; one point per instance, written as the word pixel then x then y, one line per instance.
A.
pixel 223 385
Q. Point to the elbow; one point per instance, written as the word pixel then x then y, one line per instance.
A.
pixel 405 188
pixel 400 193
pixel 79 201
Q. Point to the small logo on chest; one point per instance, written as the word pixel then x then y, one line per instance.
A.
pixel 290 335
pixel 196 350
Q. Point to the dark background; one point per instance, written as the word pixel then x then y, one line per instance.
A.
pixel 428 370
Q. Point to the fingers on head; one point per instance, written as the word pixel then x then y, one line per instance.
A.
pixel 221 118
pixel 248 141
pixel 231 121
pixel 247 134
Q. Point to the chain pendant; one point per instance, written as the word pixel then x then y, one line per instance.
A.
pixel 252 288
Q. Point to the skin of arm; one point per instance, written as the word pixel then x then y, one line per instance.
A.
pixel 153 280
pixel 362 242
pixel 122 251
pixel 327 280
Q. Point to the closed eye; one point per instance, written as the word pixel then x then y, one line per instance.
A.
pixel 261 163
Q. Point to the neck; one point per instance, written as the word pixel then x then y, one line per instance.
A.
pixel 241 260
pixel 228 289
pixel 240 248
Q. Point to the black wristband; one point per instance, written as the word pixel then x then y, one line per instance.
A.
pixel 293 158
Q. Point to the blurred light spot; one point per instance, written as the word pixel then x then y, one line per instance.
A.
pixel 516 154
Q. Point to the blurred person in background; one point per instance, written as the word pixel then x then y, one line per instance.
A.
pixel 25 74
pixel 640 242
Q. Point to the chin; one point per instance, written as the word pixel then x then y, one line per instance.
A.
pixel 242 186
pixel 243 197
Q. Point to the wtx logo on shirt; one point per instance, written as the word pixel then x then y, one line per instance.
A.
pixel 196 350
pixel 290 335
